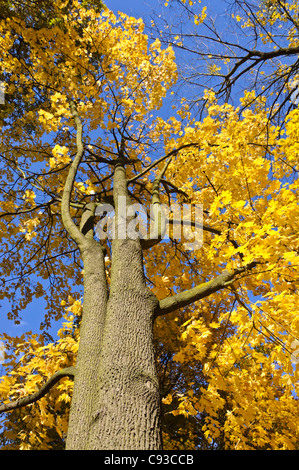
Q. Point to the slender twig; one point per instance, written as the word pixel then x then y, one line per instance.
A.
pixel 165 157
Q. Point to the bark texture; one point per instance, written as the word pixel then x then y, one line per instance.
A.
pixel 91 329
pixel 116 401
pixel 126 411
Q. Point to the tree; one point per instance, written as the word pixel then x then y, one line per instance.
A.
pixel 159 312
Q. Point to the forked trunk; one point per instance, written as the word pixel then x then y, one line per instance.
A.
pixel 116 401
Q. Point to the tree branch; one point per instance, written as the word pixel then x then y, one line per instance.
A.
pixel 20 402
pixel 159 219
pixel 152 165
pixel 194 224
pixel 182 299
pixel 67 220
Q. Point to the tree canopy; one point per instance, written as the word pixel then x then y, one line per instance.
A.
pixel 84 94
pixel 235 46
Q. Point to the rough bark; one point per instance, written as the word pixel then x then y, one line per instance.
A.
pixel 116 401
pixel 126 411
pixel 91 329
pixel 94 304
pixel 116 398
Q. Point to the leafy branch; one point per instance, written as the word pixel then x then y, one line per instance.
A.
pixel 20 402
pixel 183 299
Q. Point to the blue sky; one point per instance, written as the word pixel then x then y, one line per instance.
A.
pixel 136 8
pixel 142 8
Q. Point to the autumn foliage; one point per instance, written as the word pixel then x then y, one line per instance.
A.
pixel 227 361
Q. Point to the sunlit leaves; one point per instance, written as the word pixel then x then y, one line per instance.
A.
pixel 225 363
pixel 250 191
pixel 29 364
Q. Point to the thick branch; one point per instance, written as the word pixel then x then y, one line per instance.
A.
pixel 159 219
pixel 67 220
pixel 20 402
pixel 182 299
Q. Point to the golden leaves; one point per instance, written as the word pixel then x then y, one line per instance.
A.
pixel 232 352
pixel 29 197
pixel 60 156
pixel 246 352
pixel 40 422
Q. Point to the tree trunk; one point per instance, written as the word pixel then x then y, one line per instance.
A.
pixel 116 400
pixel 91 329
pixel 126 413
